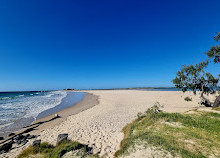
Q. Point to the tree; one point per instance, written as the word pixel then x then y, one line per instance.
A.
pixel 195 78
pixel 214 51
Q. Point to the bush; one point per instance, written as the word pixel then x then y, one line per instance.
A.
pixel 188 99
pixel 156 108
pixel 46 150
pixel 140 115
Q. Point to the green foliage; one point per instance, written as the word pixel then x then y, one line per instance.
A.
pixel 188 99
pixel 156 108
pixel 172 132
pixel 46 150
pixel 218 109
pixel 194 77
pixel 214 51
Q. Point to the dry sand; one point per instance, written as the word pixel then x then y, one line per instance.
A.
pixel 100 126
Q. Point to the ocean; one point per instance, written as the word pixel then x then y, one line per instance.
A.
pixel 18 109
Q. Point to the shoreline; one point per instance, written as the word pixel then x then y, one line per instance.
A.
pixel 88 101
pixel 31 115
pixel 69 100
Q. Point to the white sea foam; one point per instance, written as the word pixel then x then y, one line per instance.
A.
pixel 26 106
pixel 43 103
pixel 5 125
pixel 5 98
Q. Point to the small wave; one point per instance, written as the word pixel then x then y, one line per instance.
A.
pixel 8 98
pixel 29 106
pixel 5 125
pixel 5 98
pixel 48 96
pixel 42 103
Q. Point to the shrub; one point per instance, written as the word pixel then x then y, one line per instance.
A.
pixel 188 99
pixel 46 150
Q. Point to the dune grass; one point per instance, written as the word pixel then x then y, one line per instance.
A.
pixel 46 150
pixel 194 135
pixel 218 109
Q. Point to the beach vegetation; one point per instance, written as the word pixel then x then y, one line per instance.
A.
pixel 188 99
pixel 46 150
pixel 195 78
pixel 218 109
pixel 195 134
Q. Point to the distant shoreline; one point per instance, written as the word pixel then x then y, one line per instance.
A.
pixel 143 88
pixel 128 88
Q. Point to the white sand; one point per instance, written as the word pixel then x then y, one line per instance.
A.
pixel 101 125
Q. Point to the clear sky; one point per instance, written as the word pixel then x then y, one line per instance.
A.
pixel 51 44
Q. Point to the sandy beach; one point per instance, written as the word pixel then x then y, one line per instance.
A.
pixel 99 118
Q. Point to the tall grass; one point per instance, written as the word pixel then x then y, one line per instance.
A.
pixel 46 150
pixel 185 135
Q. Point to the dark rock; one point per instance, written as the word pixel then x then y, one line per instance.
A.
pixel 80 146
pixel 26 137
pixel 205 103
pixel 11 134
pixel 6 147
pixel 62 137
pixel 36 143
pixel 88 149
pixel 19 137
pixel 22 141
pixel 62 153
pixel 31 137
pixel 1 138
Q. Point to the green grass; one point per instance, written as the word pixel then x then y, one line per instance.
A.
pixel 46 150
pixel 218 109
pixel 186 135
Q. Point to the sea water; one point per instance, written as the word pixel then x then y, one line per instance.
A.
pixel 18 109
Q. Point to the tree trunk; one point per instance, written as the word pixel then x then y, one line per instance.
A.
pixel 217 102
pixel 206 102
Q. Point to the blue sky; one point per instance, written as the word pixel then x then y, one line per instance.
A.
pixel 50 44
